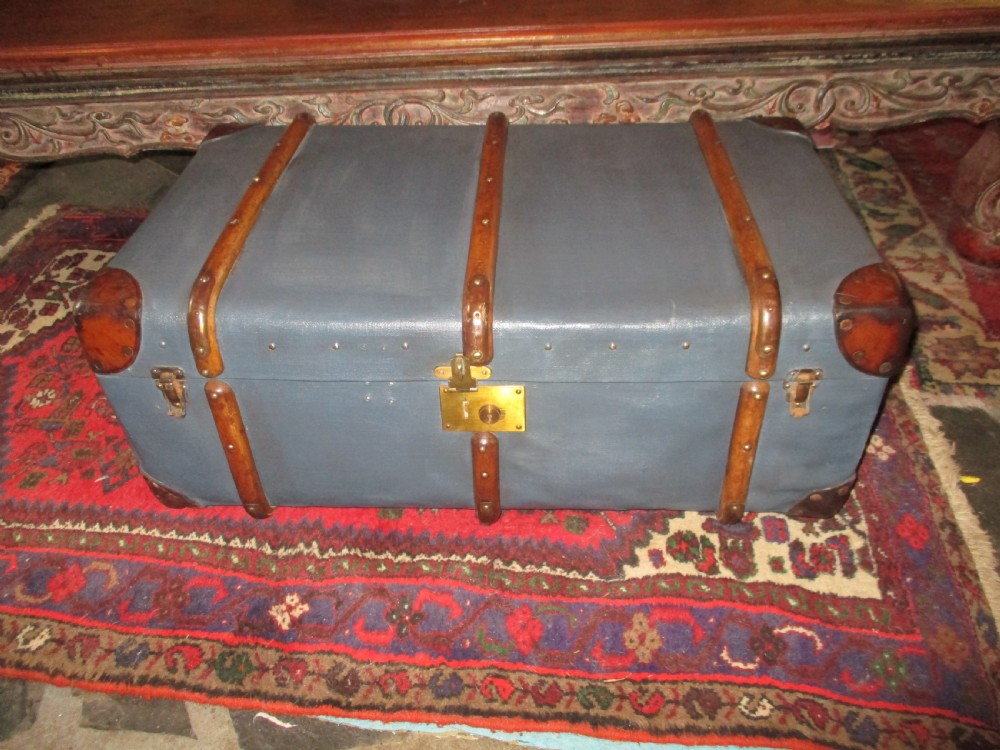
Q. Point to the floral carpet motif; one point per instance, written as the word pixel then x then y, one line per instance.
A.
pixel 868 630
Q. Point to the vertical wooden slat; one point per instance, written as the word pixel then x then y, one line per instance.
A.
pixel 755 262
pixel 486 475
pixel 235 442
pixel 480 274
pixel 222 259
pixel 742 450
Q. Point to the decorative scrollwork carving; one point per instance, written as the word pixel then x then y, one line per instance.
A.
pixel 986 212
pixel 862 99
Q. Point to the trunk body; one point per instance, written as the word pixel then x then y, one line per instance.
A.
pixel 619 306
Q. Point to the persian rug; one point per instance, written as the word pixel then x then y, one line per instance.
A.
pixel 868 630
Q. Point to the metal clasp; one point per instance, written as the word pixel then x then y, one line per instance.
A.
pixel 799 386
pixel 462 376
pixel 170 382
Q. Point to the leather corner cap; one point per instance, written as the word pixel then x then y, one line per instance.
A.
pixel 823 503
pixel 169 497
pixel 108 318
pixel 873 320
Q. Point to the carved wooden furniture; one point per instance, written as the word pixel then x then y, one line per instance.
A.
pixel 113 76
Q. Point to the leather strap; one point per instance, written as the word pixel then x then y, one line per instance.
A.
pixel 480 272
pixel 222 259
pixel 755 262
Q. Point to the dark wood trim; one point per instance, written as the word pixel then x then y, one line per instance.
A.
pixel 108 318
pixel 742 450
pixel 222 259
pixel 480 272
pixel 751 252
pixel 116 35
pixel 110 76
pixel 486 476
pixel 236 444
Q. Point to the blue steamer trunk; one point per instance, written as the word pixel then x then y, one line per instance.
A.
pixel 620 316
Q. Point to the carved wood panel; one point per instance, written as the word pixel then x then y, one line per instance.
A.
pixel 860 99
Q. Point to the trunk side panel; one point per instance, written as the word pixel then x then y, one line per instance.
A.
pixel 169 248
pixel 363 244
pixel 615 237
pixel 588 445
pixel 812 235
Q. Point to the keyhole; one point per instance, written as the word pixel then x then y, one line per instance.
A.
pixel 490 414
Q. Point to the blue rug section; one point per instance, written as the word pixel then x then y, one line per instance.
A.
pixel 540 740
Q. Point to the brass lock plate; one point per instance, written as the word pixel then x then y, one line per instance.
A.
pixel 488 408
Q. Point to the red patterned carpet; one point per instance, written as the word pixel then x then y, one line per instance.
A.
pixel 871 630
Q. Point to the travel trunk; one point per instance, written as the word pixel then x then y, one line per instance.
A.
pixel 644 316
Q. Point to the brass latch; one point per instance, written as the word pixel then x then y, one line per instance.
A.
pixel 799 386
pixel 170 382
pixel 467 406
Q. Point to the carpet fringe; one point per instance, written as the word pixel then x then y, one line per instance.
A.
pixel 942 455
